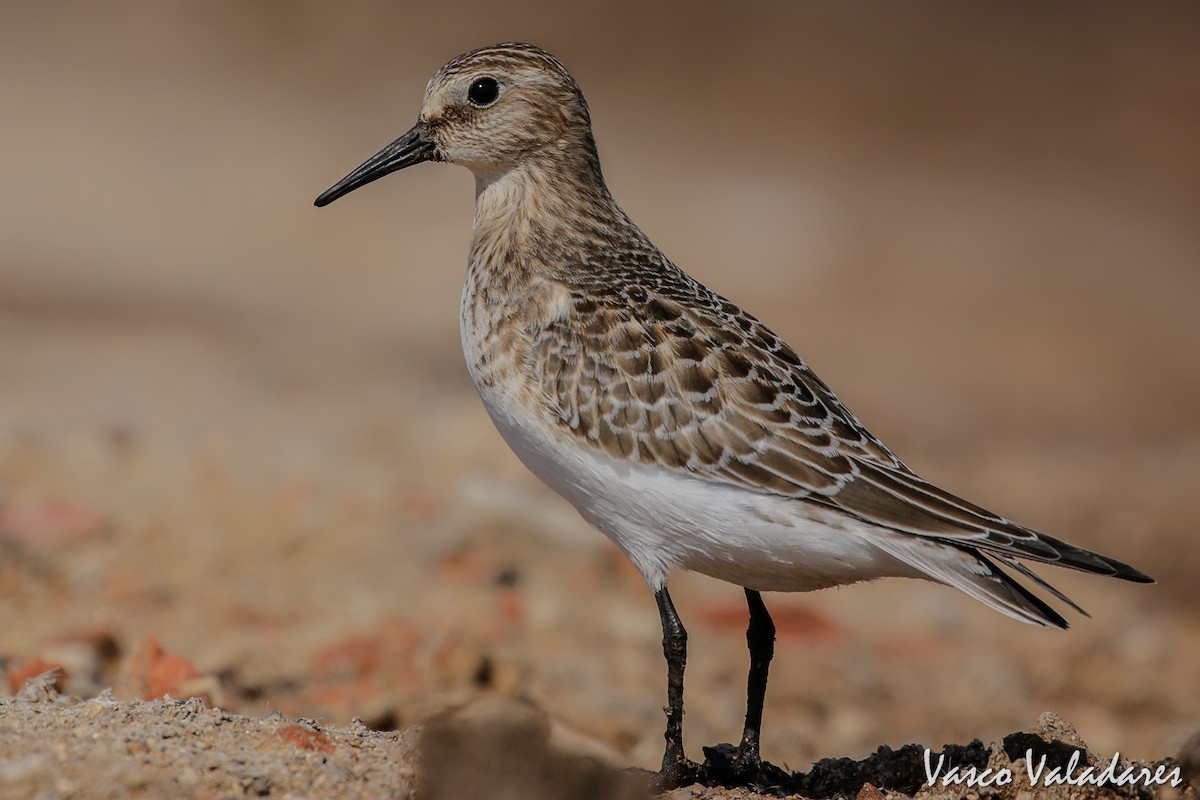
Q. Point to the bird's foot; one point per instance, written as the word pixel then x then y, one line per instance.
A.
pixel 740 766
pixel 675 774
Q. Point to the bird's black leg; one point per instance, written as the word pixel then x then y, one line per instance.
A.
pixel 676 769
pixel 760 638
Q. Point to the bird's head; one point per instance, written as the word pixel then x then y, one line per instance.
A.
pixel 489 110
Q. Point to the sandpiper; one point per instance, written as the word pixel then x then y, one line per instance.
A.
pixel 675 422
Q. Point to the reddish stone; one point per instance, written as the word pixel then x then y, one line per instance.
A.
pixel 50 522
pixel 164 673
pixel 31 669
pixel 791 623
pixel 357 655
pixel 306 738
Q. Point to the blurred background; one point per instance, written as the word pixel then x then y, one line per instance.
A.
pixel 242 426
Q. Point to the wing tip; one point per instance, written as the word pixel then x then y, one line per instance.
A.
pixel 1131 574
pixel 1095 563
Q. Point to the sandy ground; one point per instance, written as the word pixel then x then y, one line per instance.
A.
pixel 495 748
pixel 240 458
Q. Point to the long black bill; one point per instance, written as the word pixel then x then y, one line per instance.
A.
pixel 411 148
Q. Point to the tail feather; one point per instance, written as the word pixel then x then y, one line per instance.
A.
pixel 1012 563
pixel 973 574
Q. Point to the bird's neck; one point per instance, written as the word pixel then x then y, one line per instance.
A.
pixel 540 215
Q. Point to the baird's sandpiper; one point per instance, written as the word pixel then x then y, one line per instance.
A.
pixel 675 422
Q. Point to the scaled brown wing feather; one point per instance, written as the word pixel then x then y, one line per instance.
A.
pixel 674 375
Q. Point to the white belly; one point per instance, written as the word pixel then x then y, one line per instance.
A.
pixel 664 521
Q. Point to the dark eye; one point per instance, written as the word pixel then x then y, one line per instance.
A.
pixel 483 92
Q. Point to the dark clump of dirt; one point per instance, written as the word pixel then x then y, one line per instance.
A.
pixel 1053 750
pixel 900 770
